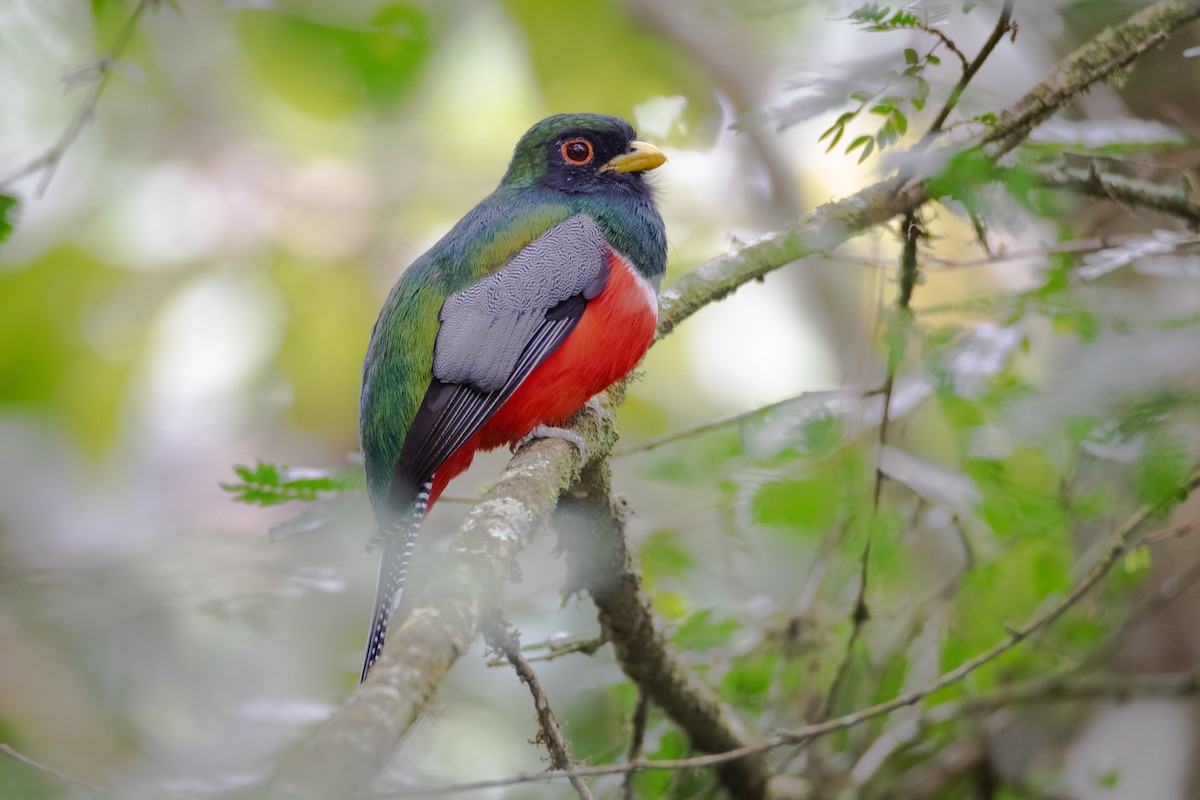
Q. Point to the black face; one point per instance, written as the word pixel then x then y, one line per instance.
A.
pixel 574 157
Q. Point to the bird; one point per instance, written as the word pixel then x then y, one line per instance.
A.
pixel 543 295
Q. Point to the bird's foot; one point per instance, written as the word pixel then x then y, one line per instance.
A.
pixel 596 407
pixel 551 432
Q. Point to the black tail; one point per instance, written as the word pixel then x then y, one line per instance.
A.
pixel 398 542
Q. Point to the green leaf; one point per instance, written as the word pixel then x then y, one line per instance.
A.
pixel 910 56
pixel 749 677
pixel 857 143
pixel 1137 560
pixel 100 8
pixel 867 151
pixel 1161 470
pixel 836 139
pixel 8 207
pixel 932 59
pixel 663 555
pixel 822 434
pixel 701 632
pixel 267 484
pixel 1049 574
pixel 963 177
pixel 808 505
pixel 921 90
pixel 892 681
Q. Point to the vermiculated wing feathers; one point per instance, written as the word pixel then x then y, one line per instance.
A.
pixel 486 327
pixel 493 335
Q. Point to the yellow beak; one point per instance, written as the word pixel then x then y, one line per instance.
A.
pixel 640 157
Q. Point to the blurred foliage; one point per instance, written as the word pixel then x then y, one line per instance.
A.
pixel 8 208
pixel 341 68
pixel 1038 400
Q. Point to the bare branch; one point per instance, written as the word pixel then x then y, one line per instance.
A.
pixel 742 416
pixel 505 641
pixel 47 163
pixel 910 231
pixel 636 741
pixel 14 754
pixel 1098 60
pixel 1003 25
pixel 592 534
pixel 1140 194
pixel 557 649
pixel 948 43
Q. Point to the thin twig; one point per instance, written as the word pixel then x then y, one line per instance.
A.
pixel 1142 194
pixel 47 163
pixel 1064 687
pixel 505 641
pixel 1117 544
pixel 1002 27
pixel 911 233
pixel 948 42
pixel 1172 531
pixel 636 741
pixel 557 649
pixel 1167 591
pixel 51 771
pixel 741 416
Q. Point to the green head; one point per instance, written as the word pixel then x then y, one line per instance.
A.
pixel 582 154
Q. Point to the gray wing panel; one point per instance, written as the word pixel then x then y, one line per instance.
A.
pixel 486 327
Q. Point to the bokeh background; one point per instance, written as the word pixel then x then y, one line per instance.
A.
pixel 196 286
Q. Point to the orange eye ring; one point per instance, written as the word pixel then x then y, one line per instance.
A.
pixel 577 152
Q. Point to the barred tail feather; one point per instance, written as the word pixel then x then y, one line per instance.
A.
pixel 398 541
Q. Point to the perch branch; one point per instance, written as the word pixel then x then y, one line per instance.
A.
pixel 362 734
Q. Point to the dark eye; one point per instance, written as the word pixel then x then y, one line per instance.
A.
pixel 577 151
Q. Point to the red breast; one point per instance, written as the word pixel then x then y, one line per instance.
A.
pixel 612 336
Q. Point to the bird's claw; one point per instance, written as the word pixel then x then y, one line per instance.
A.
pixel 596 407
pixel 551 432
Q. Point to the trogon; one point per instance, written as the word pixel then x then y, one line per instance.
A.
pixel 541 296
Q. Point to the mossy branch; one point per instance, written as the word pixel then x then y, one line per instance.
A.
pixel 1172 201
pixel 592 535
